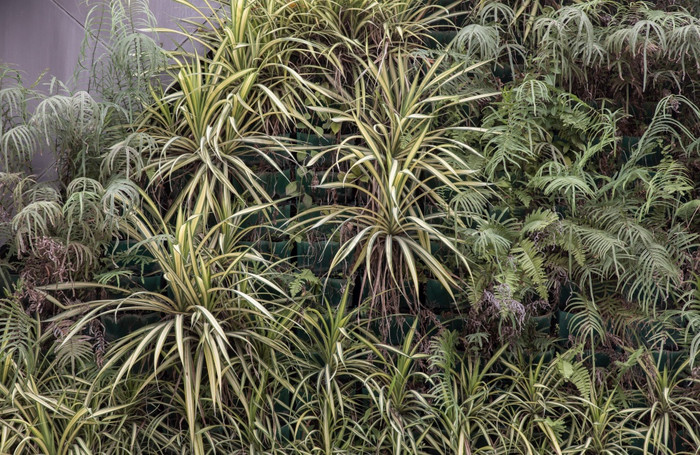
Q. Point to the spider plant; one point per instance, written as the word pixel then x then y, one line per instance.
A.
pixel 346 32
pixel 46 406
pixel 401 422
pixel 672 410
pixel 600 424
pixel 397 160
pixel 537 405
pixel 227 105
pixel 213 313
pixel 466 404
pixel 332 362
pixel 691 313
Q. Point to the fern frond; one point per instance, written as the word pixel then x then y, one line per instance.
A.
pixel 532 264
pixel 492 237
pixel 575 372
pixel 127 157
pixel 538 220
pixel 17 336
pixel 571 182
pixel 18 145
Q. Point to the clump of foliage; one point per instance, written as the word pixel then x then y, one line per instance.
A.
pixel 495 166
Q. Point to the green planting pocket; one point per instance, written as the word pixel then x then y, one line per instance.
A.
pixel 334 288
pixel 10 284
pixel 318 257
pixel 279 250
pixel 275 183
pixel 315 144
pixel 543 324
pixel 436 216
pixel 122 325
pixel 503 72
pixel 571 325
pixel 152 282
pixel 437 297
pixel 565 293
pixel 667 359
pixel 439 39
pixel 628 146
pixel 129 254
pixel 276 217
pixel 645 112
pixel 440 251
pixel 653 334
pixel 544 357
pixel 407 299
pixel 395 333
pixel 568 327
pixel 308 184
pixel 311 217
pixel 314 140
pixel 602 359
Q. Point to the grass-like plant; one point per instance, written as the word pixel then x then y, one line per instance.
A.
pixel 671 415
pixel 214 308
pixel 229 104
pixel 400 155
pixel 465 407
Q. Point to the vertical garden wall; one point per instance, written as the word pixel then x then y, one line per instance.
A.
pixel 356 227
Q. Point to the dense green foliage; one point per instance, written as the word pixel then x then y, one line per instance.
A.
pixel 358 226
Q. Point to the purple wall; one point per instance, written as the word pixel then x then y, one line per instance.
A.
pixel 46 35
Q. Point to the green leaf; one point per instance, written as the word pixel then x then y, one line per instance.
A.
pixel 291 188
pixel 306 201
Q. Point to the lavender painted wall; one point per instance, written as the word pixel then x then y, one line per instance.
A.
pixel 46 35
